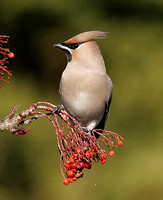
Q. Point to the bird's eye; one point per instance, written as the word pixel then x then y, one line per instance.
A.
pixel 73 46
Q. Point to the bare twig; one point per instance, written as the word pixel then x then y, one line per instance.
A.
pixel 12 121
pixel 6 54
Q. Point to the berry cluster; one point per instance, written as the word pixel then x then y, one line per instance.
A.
pixel 74 167
pixel 79 149
pixel 5 54
pixel 74 164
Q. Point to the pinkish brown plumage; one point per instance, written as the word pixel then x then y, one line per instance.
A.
pixel 87 36
pixel 85 87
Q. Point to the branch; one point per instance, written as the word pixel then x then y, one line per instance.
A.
pixel 12 121
pixel 78 148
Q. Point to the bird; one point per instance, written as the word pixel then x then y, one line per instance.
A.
pixel 85 87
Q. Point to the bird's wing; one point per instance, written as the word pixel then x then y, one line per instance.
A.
pixel 102 123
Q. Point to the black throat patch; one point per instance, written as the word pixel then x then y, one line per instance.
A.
pixel 70 46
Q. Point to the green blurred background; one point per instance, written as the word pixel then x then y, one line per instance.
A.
pixel 29 165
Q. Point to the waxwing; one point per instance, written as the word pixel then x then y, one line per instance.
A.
pixel 85 87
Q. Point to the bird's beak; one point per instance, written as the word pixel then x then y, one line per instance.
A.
pixel 62 46
pixel 58 45
pixel 65 49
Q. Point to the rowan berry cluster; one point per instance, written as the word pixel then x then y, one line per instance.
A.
pixel 5 55
pixel 78 149
pixel 74 164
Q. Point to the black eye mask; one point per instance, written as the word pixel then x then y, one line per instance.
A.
pixel 72 46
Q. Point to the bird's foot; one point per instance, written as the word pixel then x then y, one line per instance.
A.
pixel 85 130
pixel 57 109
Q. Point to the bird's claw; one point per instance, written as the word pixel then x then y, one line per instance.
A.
pixel 57 109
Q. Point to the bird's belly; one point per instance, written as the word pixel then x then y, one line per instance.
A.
pixel 84 95
pixel 81 107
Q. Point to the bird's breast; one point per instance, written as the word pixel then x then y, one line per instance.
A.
pixel 84 94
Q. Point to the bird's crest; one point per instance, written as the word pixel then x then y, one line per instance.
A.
pixel 87 36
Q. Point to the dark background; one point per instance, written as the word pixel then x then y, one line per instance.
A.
pixel 133 53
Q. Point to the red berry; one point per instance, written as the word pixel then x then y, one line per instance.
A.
pixel 70 173
pixel 66 165
pixel 88 165
pixel 75 156
pixel 91 153
pixel 71 160
pixel 75 179
pixel 103 161
pixel 120 143
pixel 111 153
pixel 87 154
pixel 66 181
pixel 74 169
pixel 74 165
pixel 70 180
pixel 11 55
pixel 81 165
pixel 103 156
